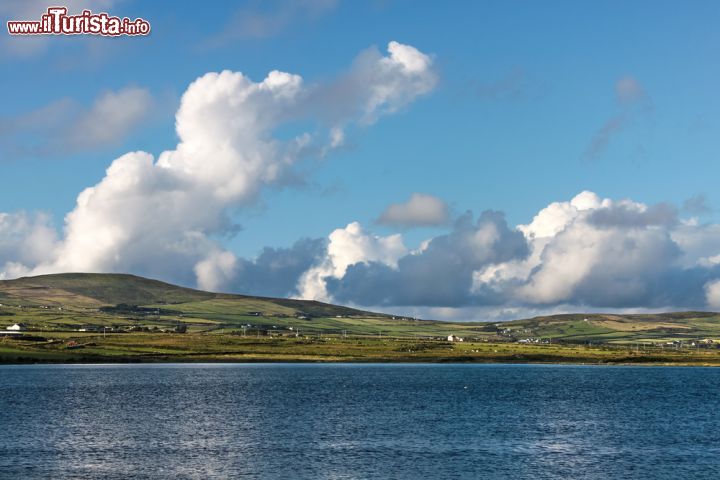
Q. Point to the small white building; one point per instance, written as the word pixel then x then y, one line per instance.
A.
pixel 454 338
pixel 18 327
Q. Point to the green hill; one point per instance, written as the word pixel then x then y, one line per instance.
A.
pixel 74 301
pixel 78 317
pixel 86 289
pixel 79 301
pixel 108 289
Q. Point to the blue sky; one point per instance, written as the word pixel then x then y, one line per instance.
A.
pixel 524 89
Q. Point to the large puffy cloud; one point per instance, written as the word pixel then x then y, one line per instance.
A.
pixel 604 253
pixel 420 210
pixel 583 253
pixel 592 250
pixel 600 265
pixel 163 216
pixel 349 246
pixel 274 272
pixel 440 273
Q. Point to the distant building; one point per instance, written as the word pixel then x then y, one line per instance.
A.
pixel 18 327
pixel 454 338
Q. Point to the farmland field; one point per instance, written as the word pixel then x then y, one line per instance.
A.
pixel 123 318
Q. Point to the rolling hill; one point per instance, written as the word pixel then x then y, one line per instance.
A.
pixel 82 301
pixel 75 301
pixel 96 290
pixel 92 318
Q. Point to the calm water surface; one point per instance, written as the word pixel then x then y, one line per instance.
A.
pixel 359 421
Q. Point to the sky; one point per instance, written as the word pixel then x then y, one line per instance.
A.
pixel 458 160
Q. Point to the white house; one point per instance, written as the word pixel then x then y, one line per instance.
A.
pixel 453 338
pixel 18 327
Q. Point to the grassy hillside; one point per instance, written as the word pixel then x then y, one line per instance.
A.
pixel 86 290
pixel 89 289
pixel 117 302
pixel 112 317
pixel 75 300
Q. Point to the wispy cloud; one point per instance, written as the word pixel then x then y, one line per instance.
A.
pixel 632 100
pixel 601 139
pixel 512 85
pixel 697 205
pixel 420 210
pixel 66 126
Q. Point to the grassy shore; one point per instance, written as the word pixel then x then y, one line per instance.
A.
pixel 76 347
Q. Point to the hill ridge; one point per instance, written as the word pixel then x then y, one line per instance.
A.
pixel 125 288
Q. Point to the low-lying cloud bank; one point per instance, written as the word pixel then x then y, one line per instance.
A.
pixel 586 253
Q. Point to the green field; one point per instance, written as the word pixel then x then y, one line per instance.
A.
pixel 121 318
pixel 74 347
pixel 69 302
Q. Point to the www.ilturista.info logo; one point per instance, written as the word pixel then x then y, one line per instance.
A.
pixel 57 22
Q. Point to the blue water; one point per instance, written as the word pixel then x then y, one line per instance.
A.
pixel 359 421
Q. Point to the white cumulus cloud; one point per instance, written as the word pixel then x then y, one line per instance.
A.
pixel 349 246
pixel 162 216
pixel 587 252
